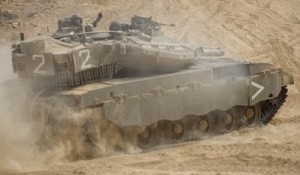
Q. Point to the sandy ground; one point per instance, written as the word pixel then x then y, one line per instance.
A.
pixel 253 30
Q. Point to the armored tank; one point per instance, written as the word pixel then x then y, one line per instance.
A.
pixel 168 90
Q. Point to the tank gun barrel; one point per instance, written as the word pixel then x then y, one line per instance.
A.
pixel 215 52
pixel 59 36
pixel 162 24
pixel 139 21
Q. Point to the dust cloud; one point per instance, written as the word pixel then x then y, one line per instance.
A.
pixel 6 64
pixel 16 144
pixel 36 135
pixel 79 135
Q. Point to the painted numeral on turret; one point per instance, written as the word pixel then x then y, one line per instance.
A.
pixel 86 55
pixel 40 57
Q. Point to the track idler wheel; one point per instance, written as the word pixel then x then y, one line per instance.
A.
pixel 252 115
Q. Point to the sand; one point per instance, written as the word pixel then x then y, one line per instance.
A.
pixel 253 30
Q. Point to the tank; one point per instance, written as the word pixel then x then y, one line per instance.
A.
pixel 151 88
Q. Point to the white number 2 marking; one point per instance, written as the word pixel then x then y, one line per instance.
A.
pixel 87 55
pixel 38 70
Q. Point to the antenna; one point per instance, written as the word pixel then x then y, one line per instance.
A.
pixel 83 31
pixel 22 35
pixel 48 31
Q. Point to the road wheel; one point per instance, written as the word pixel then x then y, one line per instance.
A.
pixel 177 130
pixel 146 137
pixel 227 120
pixel 204 126
pixel 252 115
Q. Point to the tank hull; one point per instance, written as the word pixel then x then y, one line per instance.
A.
pixel 205 87
pixel 213 96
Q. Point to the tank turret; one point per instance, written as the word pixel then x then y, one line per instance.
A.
pixel 79 58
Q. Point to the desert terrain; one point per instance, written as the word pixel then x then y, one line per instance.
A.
pixel 252 30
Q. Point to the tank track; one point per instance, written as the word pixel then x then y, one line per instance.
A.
pixel 159 133
pixel 271 107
